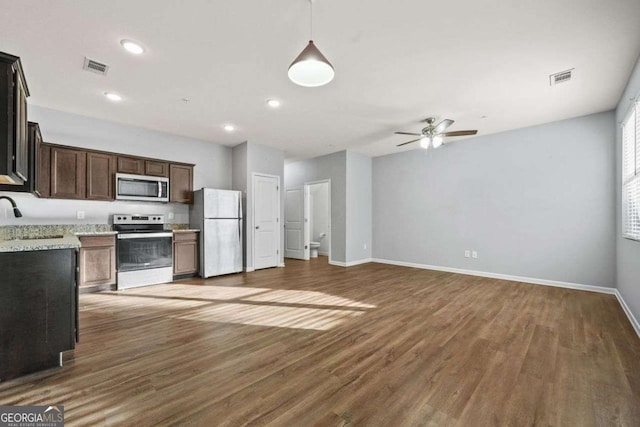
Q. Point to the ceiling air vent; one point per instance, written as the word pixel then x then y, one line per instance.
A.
pixel 561 77
pixel 95 66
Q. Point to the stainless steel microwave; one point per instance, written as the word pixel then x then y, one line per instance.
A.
pixel 142 188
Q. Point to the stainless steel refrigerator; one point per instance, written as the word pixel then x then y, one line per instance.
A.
pixel 218 215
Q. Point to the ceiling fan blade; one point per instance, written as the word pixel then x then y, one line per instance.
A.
pixel 459 133
pixel 408 133
pixel 442 126
pixel 408 142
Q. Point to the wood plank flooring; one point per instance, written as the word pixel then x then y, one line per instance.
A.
pixel 372 345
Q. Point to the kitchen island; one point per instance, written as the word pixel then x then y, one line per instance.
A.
pixel 38 303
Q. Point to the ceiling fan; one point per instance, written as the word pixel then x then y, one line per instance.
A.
pixel 433 135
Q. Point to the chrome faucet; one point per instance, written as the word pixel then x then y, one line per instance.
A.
pixel 16 211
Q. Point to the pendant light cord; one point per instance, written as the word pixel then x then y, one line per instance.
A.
pixel 311 19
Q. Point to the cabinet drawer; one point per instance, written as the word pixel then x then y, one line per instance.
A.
pixel 97 241
pixel 185 237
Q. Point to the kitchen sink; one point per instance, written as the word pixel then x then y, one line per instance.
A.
pixel 57 236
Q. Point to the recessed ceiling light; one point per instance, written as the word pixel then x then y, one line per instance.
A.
pixel 229 127
pixel 113 96
pixel 273 103
pixel 133 47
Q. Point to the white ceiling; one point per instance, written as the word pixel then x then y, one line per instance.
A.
pixel 396 62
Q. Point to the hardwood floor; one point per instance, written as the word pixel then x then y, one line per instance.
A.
pixel 372 345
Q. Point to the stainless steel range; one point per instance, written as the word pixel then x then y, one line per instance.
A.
pixel 145 250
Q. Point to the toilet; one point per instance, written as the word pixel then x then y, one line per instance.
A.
pixel 314 246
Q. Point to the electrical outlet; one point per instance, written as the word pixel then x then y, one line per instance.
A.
pixel 171 215
pixel 467 253
pixel 80 214
pixel 474 254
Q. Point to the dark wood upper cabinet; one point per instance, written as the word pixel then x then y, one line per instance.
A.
pixel 180 183
pixel 34 141
pixel 14 157
pixel 130 165
pixel 156 168
pixel 101 169
pixel 43 182
pixel 68 173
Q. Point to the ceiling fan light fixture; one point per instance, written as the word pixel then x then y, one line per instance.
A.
pixel 437 141
pixel 425 142
pixel 311 68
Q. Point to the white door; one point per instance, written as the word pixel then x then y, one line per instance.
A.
pixel 296 225
pixel 266 230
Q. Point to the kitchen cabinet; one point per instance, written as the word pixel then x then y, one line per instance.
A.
pixel 97 262
pixel 101 169
pixel 14 151
pixel 68 173
pixel 33 157
pixel 132 165
pixel 155 168
pixel 38 303
pixel 180 183
pixel 185 253
pixel 43 175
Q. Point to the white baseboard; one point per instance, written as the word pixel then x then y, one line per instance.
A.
pixel 281 264
pixel 532 280
pixel 351 263
pixel 628 312
pixel 249 269
pixel 323 253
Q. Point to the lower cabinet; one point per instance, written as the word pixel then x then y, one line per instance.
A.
pixel 185 254
pixel 38 302
pixel 97 262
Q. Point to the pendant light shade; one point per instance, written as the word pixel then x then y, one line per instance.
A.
pixel 311 68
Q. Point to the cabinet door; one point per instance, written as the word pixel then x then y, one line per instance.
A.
pixel 180 183
pixel 68 173
pixel 43 177
pixel 185 257
pixel 131 165
pixel 155 168
pixel 100 176
pixel 21 159
pixel 97 265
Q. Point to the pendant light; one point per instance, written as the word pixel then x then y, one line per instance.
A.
pixel 311 68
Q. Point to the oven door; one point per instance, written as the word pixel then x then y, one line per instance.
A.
pixel 144 251
pixel 139 187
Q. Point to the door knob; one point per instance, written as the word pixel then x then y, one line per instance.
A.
pixel 257 227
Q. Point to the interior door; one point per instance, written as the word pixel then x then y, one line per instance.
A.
pixel 294 223
pixel 266 232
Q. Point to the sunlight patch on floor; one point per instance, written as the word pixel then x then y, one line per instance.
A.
pixel 275 316
pixel 306 297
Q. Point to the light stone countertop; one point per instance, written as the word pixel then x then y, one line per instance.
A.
pixel 67 241
pixel 95 233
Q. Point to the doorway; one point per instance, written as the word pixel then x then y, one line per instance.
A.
pixel 308 220
pixel 266 224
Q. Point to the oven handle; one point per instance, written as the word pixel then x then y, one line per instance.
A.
pixel 143 235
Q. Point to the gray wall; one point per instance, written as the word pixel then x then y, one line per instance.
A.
pixel 250 158
pixel 332 166
pixel 213 166
pixel 628 263
pixel 534 202
pixel 319 218
pixel 359 204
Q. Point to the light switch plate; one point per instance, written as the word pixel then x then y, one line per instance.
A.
pixel 171 215
pixel 467 253
pixel 80 214
pixel 474 254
